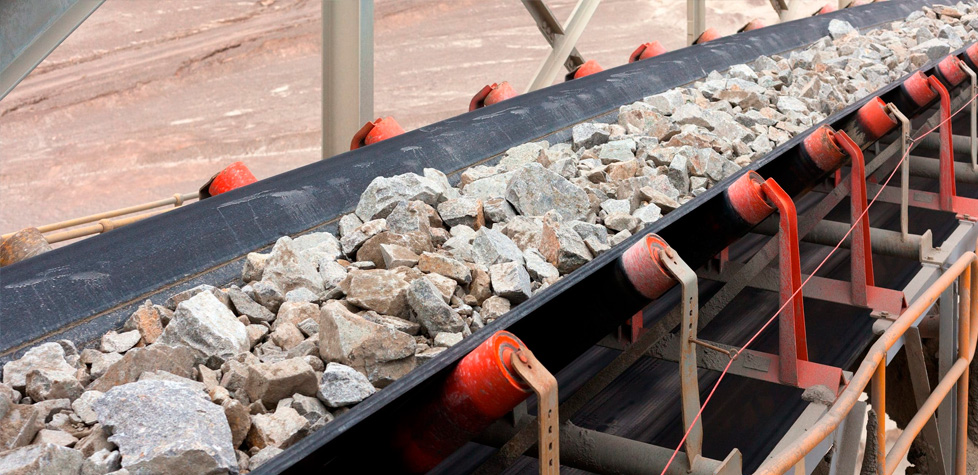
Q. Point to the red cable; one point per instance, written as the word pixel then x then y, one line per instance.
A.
pixel 773 317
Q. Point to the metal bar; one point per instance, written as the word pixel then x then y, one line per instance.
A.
pixel 883 241
pixel 103 226
pixel 597 452
pixel 787 458
pixel 921 388
pixel 32 30
pixel 551 29
pixel 689 380
pixel 847 441
pixel 947 355
pixel 348 71
pixel 904 170
pixel 861 258
pixel 544 385
pixel 547 71
pixel 947 185
pixel 878 400
pixel 695 19
pixel 964 350
pixel 177 200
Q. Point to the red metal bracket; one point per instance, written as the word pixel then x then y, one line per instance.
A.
pixel 947 190
pixel 791 322
pixel 861 249
pixel 491 94
pixel 372 132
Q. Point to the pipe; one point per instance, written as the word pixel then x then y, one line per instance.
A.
pixel 930 168
pixel 598 452
pixel 932 143
pixel 102 226
pixel 829 233
pixel 176 200
pixel 964 332
pixel 789 456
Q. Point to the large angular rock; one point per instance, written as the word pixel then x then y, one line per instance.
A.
pixel 588 134
pixel 84 406
pixel 146 319
pixel 280 429
pixel 272 382
pixel 383 291
pixel 343 386
pixel 242 304
pixel 563 247
pixel 176 299
pixel 208 327
pixel 19 426
pixel 239 420
pixel 314 247
pixel 354 239
pixel 178 360
pixel 443 265
pixel 113 342
pixel 45 384
pixel 510 280
pixel 431 311
pixel 397 256
pixel 934 49
pixel 383 194
pixel 45 459
pixel 378 351
pixel 167 427
pixel 534 190
pixel 462 211
pixel 492 247
pixel 538 267
pixel 416 241
pixel 288 270
pixel 841 28
pixel 410 216
pixel 49 356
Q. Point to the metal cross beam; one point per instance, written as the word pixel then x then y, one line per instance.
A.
pixel 551 29
pixel 563 44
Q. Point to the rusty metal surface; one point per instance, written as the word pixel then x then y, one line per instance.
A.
pixel 544 386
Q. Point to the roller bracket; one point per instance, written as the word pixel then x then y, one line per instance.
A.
pixel 544 385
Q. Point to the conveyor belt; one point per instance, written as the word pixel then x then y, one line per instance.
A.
pixel 82 290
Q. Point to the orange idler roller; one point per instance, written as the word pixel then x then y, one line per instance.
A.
pixel 754 24
pixel 234 176
pixel 874 120
pixel 492 94
pixel 748 200
pixel 641 264
pixel 646 51
pixel 949 71
pixel 918 89
pixel 372 132
pixel 822 149
pixel 709 35
pixel 482 388
pixel 588 68
pixel 828 8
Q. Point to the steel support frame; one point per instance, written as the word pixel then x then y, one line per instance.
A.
pixel 695 19
pixel 348 71
pixel 19 17
pixel 563 44
pixel 551 29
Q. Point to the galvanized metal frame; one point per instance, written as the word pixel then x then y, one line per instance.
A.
pixel 18 20
pixel 348 71
pixel 563 44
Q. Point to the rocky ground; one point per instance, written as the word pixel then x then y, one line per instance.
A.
pixel 221 380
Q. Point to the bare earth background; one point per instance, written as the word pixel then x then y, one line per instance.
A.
pixel 151 98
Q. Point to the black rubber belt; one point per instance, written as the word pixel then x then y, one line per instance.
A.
pixel 80 291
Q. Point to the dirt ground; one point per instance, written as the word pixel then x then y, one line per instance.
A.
pixel 147 99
